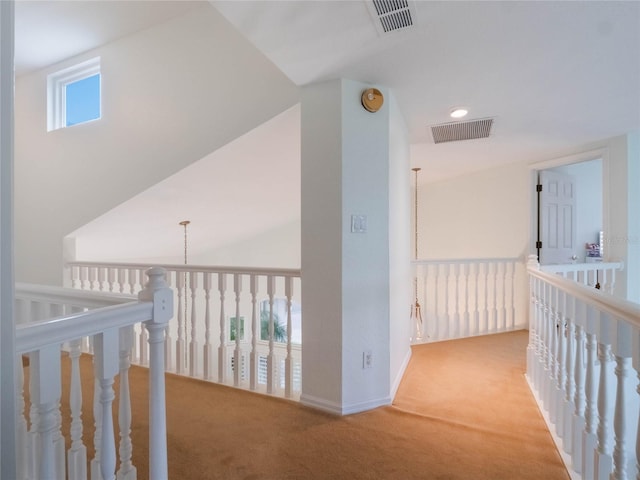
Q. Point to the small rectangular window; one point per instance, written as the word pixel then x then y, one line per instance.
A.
pixel 74 95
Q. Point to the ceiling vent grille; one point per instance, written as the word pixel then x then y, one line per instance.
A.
pixel 456 131
pixel 392 15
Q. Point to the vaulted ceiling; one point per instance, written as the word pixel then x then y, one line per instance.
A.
pixel 554 75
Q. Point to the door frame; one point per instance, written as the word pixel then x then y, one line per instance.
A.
pixel 534 168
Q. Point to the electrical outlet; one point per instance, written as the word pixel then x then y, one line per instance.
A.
pixel 367 359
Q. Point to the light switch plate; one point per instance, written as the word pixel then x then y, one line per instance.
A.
pixel 358 223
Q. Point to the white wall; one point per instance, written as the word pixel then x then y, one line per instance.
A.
pixel 346 300
pixel 399 244
pixel 171 95
pixel 481 215
pixel 588 183
pixel 622 201
pixel 278 247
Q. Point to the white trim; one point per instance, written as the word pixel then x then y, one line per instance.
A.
pixel 56 88
pixel 396 383
pixel 7 327
pixel 601 153
pixel 339 409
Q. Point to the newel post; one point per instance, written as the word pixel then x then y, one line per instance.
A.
pixel 157 292
pixel 532 264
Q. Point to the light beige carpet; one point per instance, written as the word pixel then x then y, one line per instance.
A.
pixel 463 411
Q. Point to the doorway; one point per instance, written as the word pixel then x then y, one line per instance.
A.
pixel 569 232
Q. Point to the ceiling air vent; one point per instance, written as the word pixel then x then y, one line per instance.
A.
pixel 392 15
pixel 455 131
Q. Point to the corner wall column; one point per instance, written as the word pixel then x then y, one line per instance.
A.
pixel 345 249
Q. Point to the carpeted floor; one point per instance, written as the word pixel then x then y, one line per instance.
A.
pixel 463 411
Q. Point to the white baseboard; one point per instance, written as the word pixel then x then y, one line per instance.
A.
pixel 339 409
pixel 396 382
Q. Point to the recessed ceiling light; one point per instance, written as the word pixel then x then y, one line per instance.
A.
pixel 458 112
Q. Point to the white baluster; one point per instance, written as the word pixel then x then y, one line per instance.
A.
pixel 83 277
pixel 222 348
pixel 253 374
pixel 271 360
pixel 423 302
pixel 570 385
pixel 131 276
pixel 533 328
pixel 22 445
pixel 620 419
pixel 96 474
pixel 126 471
pixel 75 276
pixel 111 276
pixel 465 272
pixel 208 352
pixel 288 366
pixel 513 295
pixel 142 347
pixel 447 318
pixel 494 312
pixel 456 314
pixel 237 353
pixel 476 310
pixel 106 344
pixel 77 455
pixel 157 291
pixel 102 276
pixel 612 285
pixel 559 371
pixel 44 366
pixel 436 296
pixel 180 341
pixel 193 344
pixel 550 346
pixel 579 424
pixel 486 328
pixel 603 465
pixel 93 276
pixel 589 438
pixel 122 273
pixel 504 296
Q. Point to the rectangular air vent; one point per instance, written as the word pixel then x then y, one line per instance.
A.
pixel 392 15
pixel 455 131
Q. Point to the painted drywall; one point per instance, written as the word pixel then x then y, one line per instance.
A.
pixel 365 256
pixel 481 215
pixel 399 244
pixel 8 357
pixel 622 197
pixel 171 95
pixel 278 247
pixel 321 243
pixel 633 251
pixel 345 172
pixel 588 183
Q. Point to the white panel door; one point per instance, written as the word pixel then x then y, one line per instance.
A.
pixel 557 218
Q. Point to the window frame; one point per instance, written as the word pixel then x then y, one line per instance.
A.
pixel 56 91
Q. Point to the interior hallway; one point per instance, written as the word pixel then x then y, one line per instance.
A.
pixel 463 411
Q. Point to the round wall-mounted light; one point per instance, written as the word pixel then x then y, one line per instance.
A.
pixel 372 99
pixel 459 112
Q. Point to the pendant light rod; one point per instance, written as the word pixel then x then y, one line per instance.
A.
pixel 416 170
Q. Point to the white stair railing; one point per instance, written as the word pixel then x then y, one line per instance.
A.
pixel 468 297
pixel 583 360
pixel 601 275
pixel 226 317
pixel 40 339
